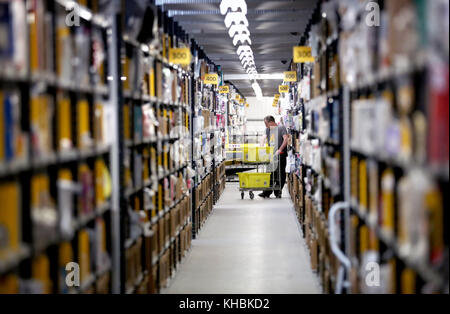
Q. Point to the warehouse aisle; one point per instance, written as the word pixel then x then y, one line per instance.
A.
pixel 247 247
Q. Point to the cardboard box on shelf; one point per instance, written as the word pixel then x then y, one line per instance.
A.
pixel 143 287
pixel 295 185
pixel 197 196
pixel 171 260
pixel 161 235
pixel 167 227
pixel 314 254
pixel 129 269
pixel 102 284
pixel 321 264
pixel 138 256
pixel 188 210
pixel 189 236
pixel 307 211
pixel 154 242
pixel 183 211
pixel 147 253
pixel 152 276
pixel 177 250
pixel 183 243
pixel 202 214
pixel 162 272
pixel 207 117
pixel 177 217
pixel 326 282
pixel 173 223
pixel 354 280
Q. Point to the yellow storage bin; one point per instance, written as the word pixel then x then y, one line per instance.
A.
pixel 265 154
pixel 254 180
pixel 250 154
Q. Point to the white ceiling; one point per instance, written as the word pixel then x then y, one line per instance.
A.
pixel 275 26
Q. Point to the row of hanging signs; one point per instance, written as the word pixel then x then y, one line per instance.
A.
pixel 301 54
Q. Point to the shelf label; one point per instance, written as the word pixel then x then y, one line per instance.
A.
pixel 303 54
pixel 181 56
pixel 290 76
pixel 283 89
pixel 211 79
pixel 224 89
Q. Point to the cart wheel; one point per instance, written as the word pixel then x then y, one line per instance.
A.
pixel 242 195
pixel 252 196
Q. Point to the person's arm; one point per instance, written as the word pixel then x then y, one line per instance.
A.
pixel 284 145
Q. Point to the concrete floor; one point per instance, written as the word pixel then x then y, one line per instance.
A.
pixel 247 247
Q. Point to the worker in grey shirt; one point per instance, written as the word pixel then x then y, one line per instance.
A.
pixel 278 139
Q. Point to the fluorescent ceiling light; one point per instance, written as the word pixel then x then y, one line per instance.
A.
pixel 257 89
pixel 248 63
pixel 246 77
pixel 237 23
pixel 246 56
pixel 244 49
pixel 235 18
pixel 234 5
pixel 238 29
pixel 242 38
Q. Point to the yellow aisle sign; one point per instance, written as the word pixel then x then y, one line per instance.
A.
pixel 238 97
pixel 247 105
pixel 224 89
pixel 283 89
pixel 242 101
pixel 211 79
pixel 181 56
pixel 290 76
pixel 275 100
pixel 303 55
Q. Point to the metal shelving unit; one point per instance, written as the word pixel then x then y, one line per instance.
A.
pixel 429 277
pixel 19 263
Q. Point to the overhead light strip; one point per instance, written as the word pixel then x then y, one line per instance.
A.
pixel 236 21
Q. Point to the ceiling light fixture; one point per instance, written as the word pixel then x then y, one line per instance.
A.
pixel 234 5
pixel 235 18
pixel 237 23
pixel 258 91
pixel 244 49
pixel 247 56
pixel 238 29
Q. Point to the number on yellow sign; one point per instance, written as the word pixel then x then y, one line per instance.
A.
pixel 181 56
pixel 290 76
pixel 303 55
pixel 211 79
pixel 284 89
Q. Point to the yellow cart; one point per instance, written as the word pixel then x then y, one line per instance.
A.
pixel 252 182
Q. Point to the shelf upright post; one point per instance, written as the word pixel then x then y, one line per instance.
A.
pixel 192 103
pixel 346 167
pixel 119 203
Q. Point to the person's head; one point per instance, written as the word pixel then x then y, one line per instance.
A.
pixel 269 121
